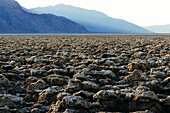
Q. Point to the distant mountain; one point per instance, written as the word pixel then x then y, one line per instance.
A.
pixel 92 20
pixel 27 10
pixel 13 19
pixel 159 28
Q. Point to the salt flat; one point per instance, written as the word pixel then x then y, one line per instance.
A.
pixel 84 73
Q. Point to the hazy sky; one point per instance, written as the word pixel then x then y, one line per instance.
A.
pixel 140 12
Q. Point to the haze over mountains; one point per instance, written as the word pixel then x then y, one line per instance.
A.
pixel 13 19
pixel 92 20
pixel 66 19
pixel 159 28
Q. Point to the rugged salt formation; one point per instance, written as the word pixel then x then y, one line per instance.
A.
pixel 113 73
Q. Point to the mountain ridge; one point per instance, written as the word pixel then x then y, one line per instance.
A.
pixel 92 20
pixel 13 19
pixel 159 28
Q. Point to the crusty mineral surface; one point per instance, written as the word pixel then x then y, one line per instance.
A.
pixel 84 73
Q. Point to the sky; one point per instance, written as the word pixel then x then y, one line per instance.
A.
pixel 139 12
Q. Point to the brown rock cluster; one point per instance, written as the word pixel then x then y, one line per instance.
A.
pixel 85 73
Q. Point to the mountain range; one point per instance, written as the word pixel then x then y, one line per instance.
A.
pixel 92 20
pixel 60 19
pixel 13 19
pixel 159 28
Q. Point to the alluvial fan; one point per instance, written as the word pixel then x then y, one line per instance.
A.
pixel 85 73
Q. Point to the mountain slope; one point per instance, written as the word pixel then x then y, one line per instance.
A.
pixel 159 28
pixel 93 21
pixel 13 19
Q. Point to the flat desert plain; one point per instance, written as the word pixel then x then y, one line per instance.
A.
pixel 85 73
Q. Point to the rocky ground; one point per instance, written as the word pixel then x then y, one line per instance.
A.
pixel 85 73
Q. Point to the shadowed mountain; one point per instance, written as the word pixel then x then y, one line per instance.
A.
pixel 13 19
pixel 159 28
pixel 92 20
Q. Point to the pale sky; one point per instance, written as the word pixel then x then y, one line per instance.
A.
pixel 139 12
